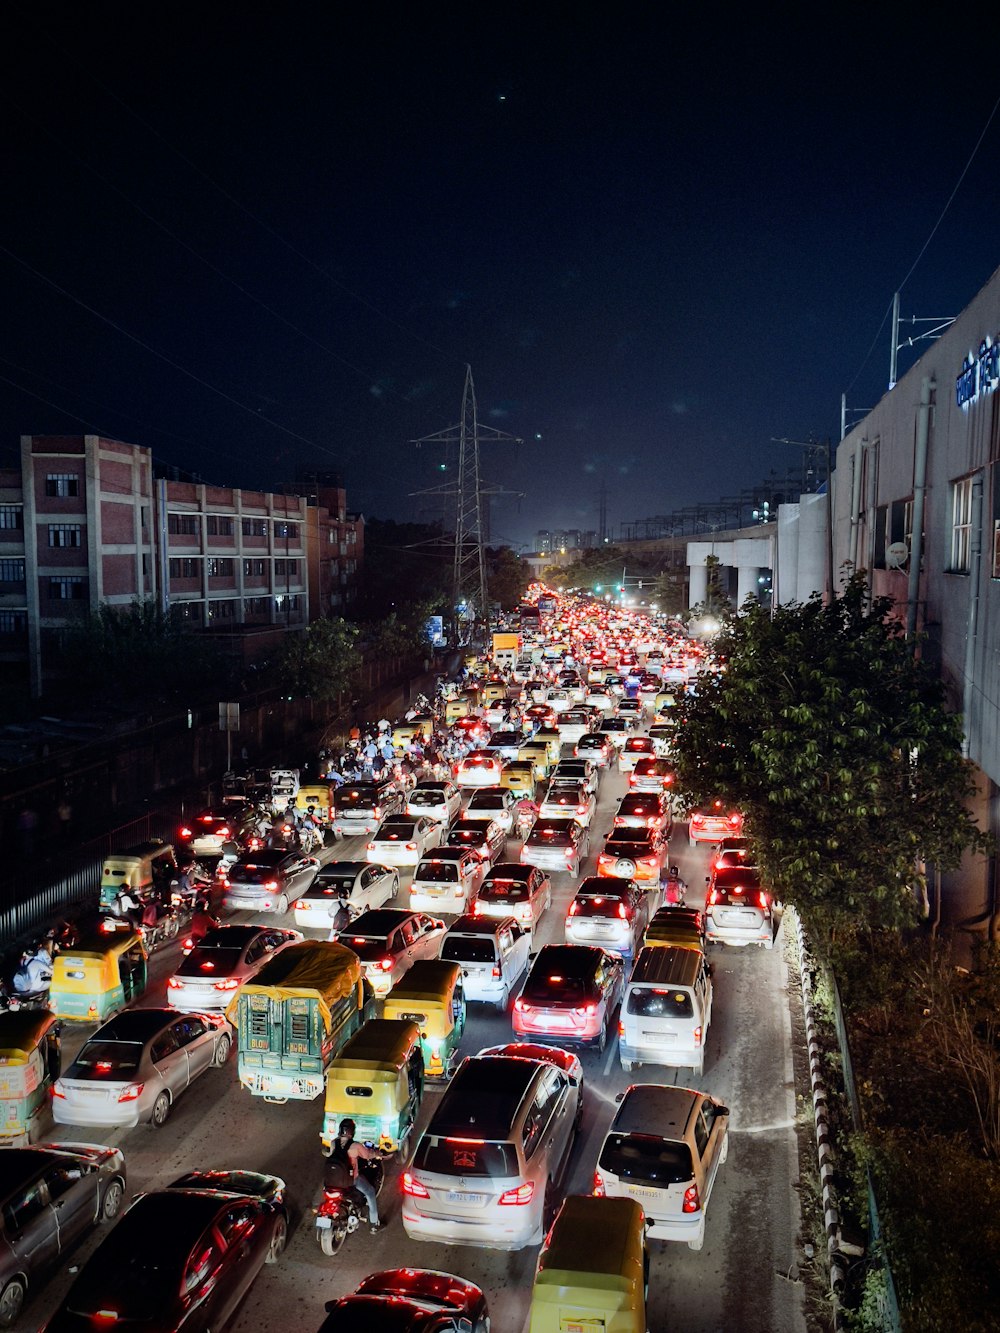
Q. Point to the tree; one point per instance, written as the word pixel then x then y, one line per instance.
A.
pixel 507 576
pixel 321 662
pixel 833 740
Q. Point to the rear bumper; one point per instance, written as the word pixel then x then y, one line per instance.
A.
pixel 435 902
pixel 491 1232
pixel 671 1057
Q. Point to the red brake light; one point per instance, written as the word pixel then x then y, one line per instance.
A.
pixel 371 846
pixel 186 833
pixel 697 1036
pixel 229 984
pixel 521 1195
pixel 496 972
pixel 713 896
pixel 413 1187
pixel 131 1092
pixel 598 1185
pixel 174 983
pixel 735 820
pixel 385 964
pixel 574 907
pixel 692 1203
pixel 411 846
pixel 623 911
pixel 477 908
pixel 762 899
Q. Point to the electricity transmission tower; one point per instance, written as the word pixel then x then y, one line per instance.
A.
pixel 466 501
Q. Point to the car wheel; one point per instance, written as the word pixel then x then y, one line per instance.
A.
pixel 395 887
pixel 602 1040
pixel 160 1112
pixel 281 907
pixel 222 1049
pixel 502 1003
pixel 11 1302
pixel 330 1241
pixel 279 1238
pixel 111 1202
pixel 550 1205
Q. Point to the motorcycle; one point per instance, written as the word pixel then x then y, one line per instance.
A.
pixel 344 1209
pixel 674 890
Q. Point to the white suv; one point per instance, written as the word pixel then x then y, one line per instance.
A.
pixel 488 1169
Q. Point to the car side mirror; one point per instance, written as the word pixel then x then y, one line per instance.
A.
pixel 722 1110
pixel 619 1098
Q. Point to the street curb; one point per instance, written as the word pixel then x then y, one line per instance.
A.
pixel 824 1138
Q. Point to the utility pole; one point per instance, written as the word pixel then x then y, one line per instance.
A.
pixel 940 322
pixel 468 497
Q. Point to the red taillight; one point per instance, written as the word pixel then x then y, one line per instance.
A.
pixel 174 983
pixel 570 853
pixel 623 911
pixel 411 846
pixel 647 860
pixel 521 1195
pixel 413 1187
pixel 229 984
pixel 621 1027
pixel 574 908
pixel 186 833
pixel 720 865
pixel 619 821
pixel 377 812
pixel 598 1185
pixel 131 1092
pixel 692 1204
pixel 652 821
pixel 370 846
pixel 713 896
pixel 57 1090
pixel 301 906
pixel 735 820
pixel 631 779
pixel 496 972
pixel 586 1010
pixel 521 1005
pixel 605 859
pixel 697 1036
pixel 763 900
pixel 697 819
pixel 385 964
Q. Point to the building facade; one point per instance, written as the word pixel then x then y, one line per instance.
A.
pixel 84 522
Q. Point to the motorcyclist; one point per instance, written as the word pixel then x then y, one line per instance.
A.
pixel 345 1156
pixel 35 971
pixel 674 888
pixel 525 814
pixel 127 906
pixel 203 921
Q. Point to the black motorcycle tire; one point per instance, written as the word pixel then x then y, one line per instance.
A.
pixel 331 1240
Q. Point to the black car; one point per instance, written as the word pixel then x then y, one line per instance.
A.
pixel 50 1198
pixel 183 1258
pixel 410 1300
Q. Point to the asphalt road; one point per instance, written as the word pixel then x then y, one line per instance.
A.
pixel 738 1281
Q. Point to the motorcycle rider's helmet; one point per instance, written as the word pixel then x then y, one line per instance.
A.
pixel 347 1128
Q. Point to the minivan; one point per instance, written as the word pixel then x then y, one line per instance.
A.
pixel 667 1009
pixel 488 1169
pixel 493 955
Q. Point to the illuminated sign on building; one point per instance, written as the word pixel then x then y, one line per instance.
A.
pixel 980 373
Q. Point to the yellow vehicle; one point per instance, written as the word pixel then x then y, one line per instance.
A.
pixel 553 741
pixel 470 661
pixel 430 994
pixel 493 691
pixel 593 1272
pixel 519 777
pixel 537 753
pixel 682 927
pixel 377 1081
pixel 295 1016
pixel 319 795
pixel 98 976
pixel 663 702
pixel 405 732
pixel 456 708
pixel 138 869
pixel 29 1065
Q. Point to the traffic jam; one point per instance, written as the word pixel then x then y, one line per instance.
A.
pixel 433 1045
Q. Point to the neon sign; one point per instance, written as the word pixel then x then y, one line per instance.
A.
pixel 980 373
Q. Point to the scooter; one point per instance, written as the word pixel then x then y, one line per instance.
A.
pixel 343 1210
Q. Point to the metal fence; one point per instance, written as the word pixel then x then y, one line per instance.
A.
pixel 889 1300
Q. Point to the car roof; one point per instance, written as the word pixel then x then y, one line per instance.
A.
pixel 479 925
pixel 136 1025
pixel 483 1097
pixel 380 920
pixel 510 870
pixel 175 1217
pixel 340 868
pixel 667 966
pixel 229 937
pixel 573 959
pixel 655 1108
pixel 266 856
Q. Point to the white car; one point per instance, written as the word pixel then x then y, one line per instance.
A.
pixel 568 798
pixel 601 698
pixel 573 724
pixel 578 770
pixel 362 885
pixel 559 700
pixel 496 803
pixel 617 730
pixel 440 801
pixel 480 769
pixel 494 956
pixel 447 880
pixel 633 710
pixel 511 889
pixel 402 842
pixel 634 749
pixel 389 941
pixel 221 961
pixel 505 743
pixel 664 1150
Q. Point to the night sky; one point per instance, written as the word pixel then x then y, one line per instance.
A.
pixel 659 241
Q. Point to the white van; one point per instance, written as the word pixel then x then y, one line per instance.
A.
pixel 667 1009
pixel 284 788
pixel 493 955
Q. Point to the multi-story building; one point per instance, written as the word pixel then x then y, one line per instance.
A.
pixel 84 521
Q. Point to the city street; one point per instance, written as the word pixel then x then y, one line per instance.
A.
pixel 740 1280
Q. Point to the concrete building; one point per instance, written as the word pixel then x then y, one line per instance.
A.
pixel 84 522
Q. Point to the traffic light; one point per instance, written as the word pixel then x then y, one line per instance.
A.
pixel 598 587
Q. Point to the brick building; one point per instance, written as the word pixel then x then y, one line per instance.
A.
pixel 85 521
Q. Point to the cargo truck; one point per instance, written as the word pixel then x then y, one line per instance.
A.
pixel 506 649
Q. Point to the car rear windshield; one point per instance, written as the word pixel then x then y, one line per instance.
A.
pixel 646 1158
pixel 105 1059
pixel 422 798
pixel 359 794
pixel 548 837
pixel 635 804
pixel 437 872
pixel 596 905
pixel 395 832
pixel 253 874
pixel 558 989
pixel 659 1002
pixel 369 951
pixel 466 1157
pixel 330 886
pixel 490 802
pixel 468 949
pixel 209 964
pixel 504 891
pixel 630 837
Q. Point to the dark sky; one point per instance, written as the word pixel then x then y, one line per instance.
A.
pixel 658 241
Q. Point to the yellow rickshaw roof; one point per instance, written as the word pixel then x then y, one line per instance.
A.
pixel 426 979
pixel 21 1031
pixel 381 1044
pixel 155 847
pixel 99 945
pixel 309 968
pixel 595 1243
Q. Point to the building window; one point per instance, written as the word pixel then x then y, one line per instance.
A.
pixel 290 568
pixel 218 526
pixel 285 605
pixel 11 516
pixel 188 612
pixel 182 525
pixel 254 569
pixel 220 568
pixel 221 611
pixel 64 534
pixel 255 527
pixel 11 571
pixel 63 484
pixel 961 525
pixel 254 606
pixel 184 567
pixel 144 515
pixel 70 588
pixel 145 566
pixel 881 521
pixel 13 622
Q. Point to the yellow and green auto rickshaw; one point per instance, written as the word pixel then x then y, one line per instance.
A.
pixel 138 868
pixel 519 777
pixel 100 975
pixel 677 927
pixel 377 1081
pixel 593 1272
pixel 29 1065
pixel 536 752
pixel 552 740
pixel 430 994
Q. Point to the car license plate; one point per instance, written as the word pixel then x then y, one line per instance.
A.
pixel 602 927
pixel 461 1196
pixel 660 1038
pixel 640 1193
pixel 324 1223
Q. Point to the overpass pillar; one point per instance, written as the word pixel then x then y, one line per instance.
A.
pixel 699 585
pixel 746 583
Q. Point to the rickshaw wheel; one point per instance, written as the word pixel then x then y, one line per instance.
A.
pixel 331 1241
pixel 11 1302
